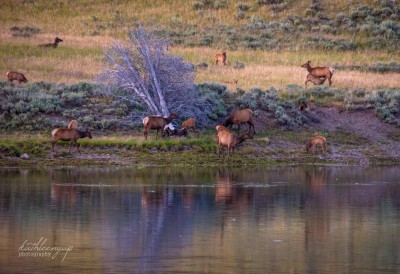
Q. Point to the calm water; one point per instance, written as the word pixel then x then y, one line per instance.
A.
pixel 200 220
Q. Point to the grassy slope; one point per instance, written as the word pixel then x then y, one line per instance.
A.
pixel 88 27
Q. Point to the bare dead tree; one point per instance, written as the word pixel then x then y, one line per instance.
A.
pixel 146 74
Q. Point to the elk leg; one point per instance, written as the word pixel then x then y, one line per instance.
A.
pixel 77 147
pixel 69 151
pixel 145 134
pixel 52 146
pixel 323 149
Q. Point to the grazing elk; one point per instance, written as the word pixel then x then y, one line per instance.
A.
pixel 190 124
pixel 54 44
pixel 220 57
pixel 227 139
pixel 319 71
pixel 314 141
pixel 315 80
pixel 239 117
pixel 69 134
pixel 17 76
pixel 156 122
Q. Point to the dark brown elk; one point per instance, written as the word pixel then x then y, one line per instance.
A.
pixel 227 139
pixel 17 76
pixel 239 117
pixel 315 80
pixel 302 106
pixel 221 58
pixel 68 134
pixel 314 141
pixel 54 44
pixel 319 71
pixel 156 122
pixel 190 124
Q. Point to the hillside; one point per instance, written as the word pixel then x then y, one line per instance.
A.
pixel 269 38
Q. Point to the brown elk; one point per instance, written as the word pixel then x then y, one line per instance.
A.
pixel 319 71
pixel 302 106
pixel 314 141
pixel 227 139
pixel 17 76
pixel 156 122
pixel 315 80
pixel 220 57
pixel 239 117
pixel 69 134
pixel 190 123
pixel 54 44
pixel 220 128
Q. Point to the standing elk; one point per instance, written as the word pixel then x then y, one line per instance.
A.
pixel 220 57
pixel 227 139
pixel 69 134
pixel 314 141
pixel 54 44
pixel 156 122
pixel 239 117
pixel 17 76
pixel 190 124
pixel 319 71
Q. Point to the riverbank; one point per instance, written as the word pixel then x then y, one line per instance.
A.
pixel 360 139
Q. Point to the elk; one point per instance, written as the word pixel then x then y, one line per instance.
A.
pixel 302 106
pixel 156 122
pixel 17 76
pixel 315 80
pixel 239 117
pixel 220 128
pixel 54 44
pixel 69 134
pixel 314 141
pixel 220 57
pixel 227 139
pixel 190 124
pixel 319 71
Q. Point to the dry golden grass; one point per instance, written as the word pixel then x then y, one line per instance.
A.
pixel 79 58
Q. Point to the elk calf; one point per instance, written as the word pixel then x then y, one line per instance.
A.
pixel 54 44
pixel 315 80
pixel 190 123
pixel 221 58
pixel 314 141
pixel 17 76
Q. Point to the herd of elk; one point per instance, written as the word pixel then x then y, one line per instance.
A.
pixel 318 72
pixel 52 45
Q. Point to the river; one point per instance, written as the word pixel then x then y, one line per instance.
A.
pixel 300 219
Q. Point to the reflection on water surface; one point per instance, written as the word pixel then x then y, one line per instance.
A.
pixel 213 220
